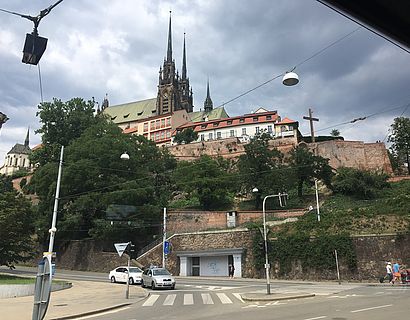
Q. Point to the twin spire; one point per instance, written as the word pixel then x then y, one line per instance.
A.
pixel 169 50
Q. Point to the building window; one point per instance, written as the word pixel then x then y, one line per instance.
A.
pixel 218 135
pixel 203 126
pixel 216 124
pixel 232 133
pixel 152 125
pixel 168 122
pixel 145 126
pixel 255 119
pixel 243 131
pixel 157 136
pixel 210 136
pixel 241 120
pixel 157 124
pixel 162 123
pixel 268 117
pixel 202 137
pixel 283 128
pixel 168 133
pixel 270 129
pixel 229 122
pixel 162 135
pixel 257 130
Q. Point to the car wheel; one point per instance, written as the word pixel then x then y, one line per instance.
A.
pixel 113 279
pixel 153 285
pixel 142 284
pixel 131 281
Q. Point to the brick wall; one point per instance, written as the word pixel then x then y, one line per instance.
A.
pixel 187 221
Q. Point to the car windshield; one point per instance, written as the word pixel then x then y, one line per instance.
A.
pixel 134 270
pixel 160 272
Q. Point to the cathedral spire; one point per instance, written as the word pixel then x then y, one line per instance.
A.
pixel 27 141
pixel 169 52
pixel 208 104
pixel 184 62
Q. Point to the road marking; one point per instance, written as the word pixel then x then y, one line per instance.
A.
pixel 169 300
pixel 224 298
pixel 206 298
pixel 276 303
pixel 151 300
pixel 315 318
pixel 372 308
pixel 102 313
pixel 238 296
pixel 188 299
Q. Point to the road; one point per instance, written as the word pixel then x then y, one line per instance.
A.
pixel 217 298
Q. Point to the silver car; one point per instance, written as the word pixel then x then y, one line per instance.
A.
pixel 120 274
pixel 157 278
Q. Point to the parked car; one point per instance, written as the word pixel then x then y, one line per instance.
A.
pixel 157 278
pixel 120 274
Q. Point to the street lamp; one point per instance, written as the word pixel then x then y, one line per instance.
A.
pixel 267 266
pixel 125 156
pixel 290 79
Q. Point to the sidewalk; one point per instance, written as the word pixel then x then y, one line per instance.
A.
pixel 85 297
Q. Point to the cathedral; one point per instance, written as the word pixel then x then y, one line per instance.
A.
pixel 157 118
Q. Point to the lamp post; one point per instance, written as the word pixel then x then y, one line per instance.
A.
pixel 317 201
pixel 265 240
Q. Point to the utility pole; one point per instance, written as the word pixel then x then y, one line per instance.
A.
pixel 164 237
pixel 311 119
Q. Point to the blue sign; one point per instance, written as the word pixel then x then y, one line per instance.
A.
pixel 166 247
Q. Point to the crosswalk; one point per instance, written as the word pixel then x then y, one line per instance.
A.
pixel 188 299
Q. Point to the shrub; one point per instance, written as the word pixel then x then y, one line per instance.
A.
pixel 358 183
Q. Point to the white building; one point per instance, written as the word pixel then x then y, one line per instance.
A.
pixel 17 158
pixel 244 127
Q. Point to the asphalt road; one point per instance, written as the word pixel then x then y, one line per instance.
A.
pixel 368 302
pixel 219 298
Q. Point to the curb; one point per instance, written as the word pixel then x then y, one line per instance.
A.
pixel 274 297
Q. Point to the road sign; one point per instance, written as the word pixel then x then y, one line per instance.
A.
pixel 121 247
pixel 42 289
pixel 166 247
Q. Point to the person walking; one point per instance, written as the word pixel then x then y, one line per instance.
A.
pixel 396 272
pixel 231 270
pixel 389 272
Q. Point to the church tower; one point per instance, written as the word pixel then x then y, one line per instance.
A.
pixel 173 92
pixel 208 104
pixel 185 91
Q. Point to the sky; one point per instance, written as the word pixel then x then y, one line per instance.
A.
pixel 116 48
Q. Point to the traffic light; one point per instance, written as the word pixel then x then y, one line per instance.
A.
pixel 132 251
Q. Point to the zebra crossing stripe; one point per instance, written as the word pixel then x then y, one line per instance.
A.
pixel 188 299
pixel 206 298
pixel 169 300
pixel 224 298
pixel 151 300
pixel 238 296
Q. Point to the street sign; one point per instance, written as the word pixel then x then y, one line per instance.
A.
pixel 42 289
pixel 121 247
pixel 166 247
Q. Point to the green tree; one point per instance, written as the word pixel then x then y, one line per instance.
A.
pixel 16 226
pixel 62 122
pixel 261 167
pixel 358 183
pixel 186 136
pixel 307 167
pixel 95 181
pixel 208 179
pixel 400 139
pixel 335 133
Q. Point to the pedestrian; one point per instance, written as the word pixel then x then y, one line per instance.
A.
pixel 389 272
pixel 396 272
pixel 231 270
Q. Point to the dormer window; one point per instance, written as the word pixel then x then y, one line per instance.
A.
pixel 216 124
pixel 229 122
pixel 140 113
pixel 203 126
pixel 255 119
pixel 268 117
pixel 113 118
pixel 126 115
pixel 241 120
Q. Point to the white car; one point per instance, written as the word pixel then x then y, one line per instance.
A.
pixel 157 278
pixel 120 274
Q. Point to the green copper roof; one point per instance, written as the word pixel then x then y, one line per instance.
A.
pixel 217 113
pixel 132 111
